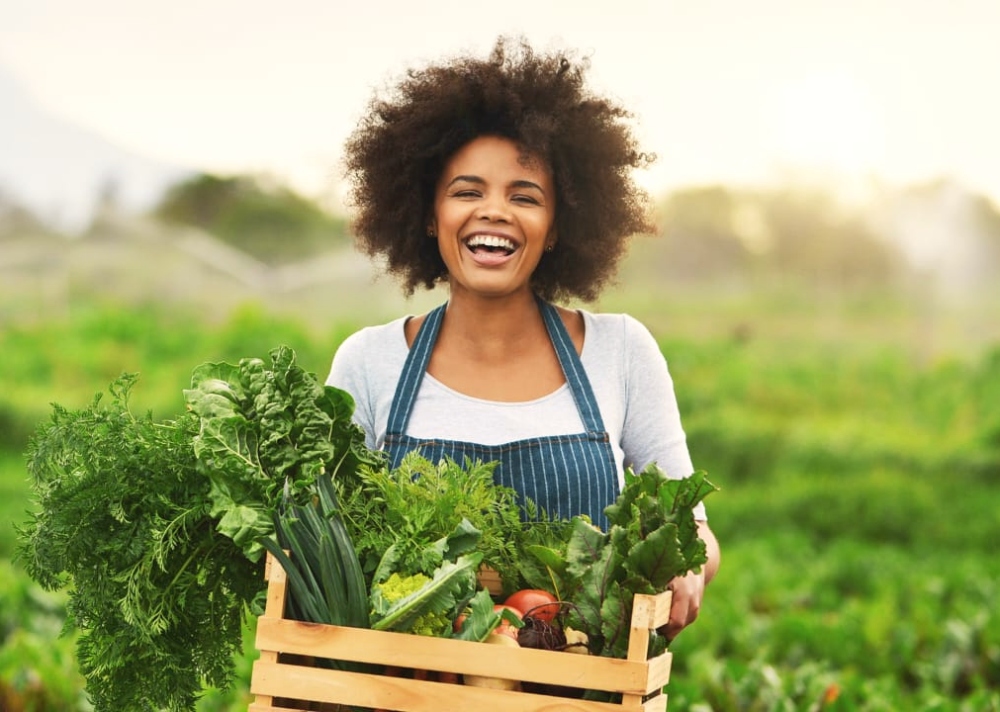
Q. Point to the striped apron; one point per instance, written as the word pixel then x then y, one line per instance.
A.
pixel 564 475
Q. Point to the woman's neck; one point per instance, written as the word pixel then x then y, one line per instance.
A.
pixel 488 329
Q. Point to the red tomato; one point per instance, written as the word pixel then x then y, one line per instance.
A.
pixel 534 602
pixel 499 607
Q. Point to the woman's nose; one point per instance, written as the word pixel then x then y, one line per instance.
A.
pixel 494 209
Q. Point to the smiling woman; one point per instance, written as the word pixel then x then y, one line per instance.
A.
pixel 506 179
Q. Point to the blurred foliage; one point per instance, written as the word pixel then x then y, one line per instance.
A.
pixel 17 220
pixel 265 219
pixel 757 235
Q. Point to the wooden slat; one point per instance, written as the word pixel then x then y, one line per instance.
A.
pixel 659 670
pixel 489 579
pixel 406 695
pixel 651 611
pixel 470 658
pixel 277 588
pixel 656 704
pixel 274 607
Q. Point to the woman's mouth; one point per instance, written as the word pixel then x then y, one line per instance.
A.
pixel 491 245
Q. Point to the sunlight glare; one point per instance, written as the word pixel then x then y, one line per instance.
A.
pixel 826 121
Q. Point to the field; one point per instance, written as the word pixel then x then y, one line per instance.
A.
pixel 856 441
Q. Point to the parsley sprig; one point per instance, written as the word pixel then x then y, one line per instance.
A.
pixel 123 520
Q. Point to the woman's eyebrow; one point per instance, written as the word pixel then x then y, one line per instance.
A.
pixel 480 181
pixel 466 179
pixel 527 184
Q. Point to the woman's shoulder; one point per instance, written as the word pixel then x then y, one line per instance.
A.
pixel 380 335
pixel 371 348
pixel 615 327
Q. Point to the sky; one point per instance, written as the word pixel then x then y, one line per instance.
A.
pixel 860 93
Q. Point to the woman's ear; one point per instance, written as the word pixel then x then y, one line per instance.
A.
pixel 551 240
pixel 432 228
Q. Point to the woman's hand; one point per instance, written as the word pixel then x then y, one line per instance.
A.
pixel 689 590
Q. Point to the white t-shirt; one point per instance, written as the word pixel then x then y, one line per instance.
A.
pixel 623 362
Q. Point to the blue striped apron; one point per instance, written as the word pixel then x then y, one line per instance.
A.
pixel 564 475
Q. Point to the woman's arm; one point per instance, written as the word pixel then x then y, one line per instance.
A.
pixel 653 433
pixel 690 589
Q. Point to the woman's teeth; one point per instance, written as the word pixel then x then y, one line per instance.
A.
pixel 492 242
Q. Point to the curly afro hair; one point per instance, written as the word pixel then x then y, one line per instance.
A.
pixel 395 157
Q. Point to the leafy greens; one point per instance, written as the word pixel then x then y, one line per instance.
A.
pixel 157 528
pixel 652 538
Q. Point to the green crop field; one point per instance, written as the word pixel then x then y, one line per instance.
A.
pixel 856 442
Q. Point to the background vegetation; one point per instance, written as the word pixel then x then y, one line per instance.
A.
pixel 264 218
pixel 845 397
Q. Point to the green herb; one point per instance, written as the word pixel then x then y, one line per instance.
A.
pixel 124 521
pixel 410 511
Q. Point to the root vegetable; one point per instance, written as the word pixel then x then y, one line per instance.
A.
pixel 495 683
pixel 576 641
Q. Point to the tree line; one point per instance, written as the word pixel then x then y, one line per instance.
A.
pixel 704 234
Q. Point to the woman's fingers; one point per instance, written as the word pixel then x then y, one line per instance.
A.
pixel 688 592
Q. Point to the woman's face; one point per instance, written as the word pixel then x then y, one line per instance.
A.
pixel 494 215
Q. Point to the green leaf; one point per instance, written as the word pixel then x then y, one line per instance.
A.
pixel 586 547
pixel 481 618
pixel 657 558
pixel 616 620
pixel 594 584
pixel 387 564
pixel 544 567
pixel 463 540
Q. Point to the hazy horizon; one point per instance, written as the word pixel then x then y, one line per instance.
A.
pixel 848 94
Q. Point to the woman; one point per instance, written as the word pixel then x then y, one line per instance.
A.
pixel 507 180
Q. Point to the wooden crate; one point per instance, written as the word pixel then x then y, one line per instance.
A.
pixel 285 678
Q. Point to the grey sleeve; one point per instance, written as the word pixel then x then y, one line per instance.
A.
pixel 349 373
pixel 652 427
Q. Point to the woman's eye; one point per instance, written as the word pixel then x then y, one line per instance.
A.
pixel 467 194
pixel 531 200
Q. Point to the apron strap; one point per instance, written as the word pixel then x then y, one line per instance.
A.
pixel 572 366
pixel 413 372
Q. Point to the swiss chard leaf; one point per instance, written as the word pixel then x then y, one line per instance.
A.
pixel 268 432
pixel 594 580
pixel 657 558
pixel 652 538
pixel 616 621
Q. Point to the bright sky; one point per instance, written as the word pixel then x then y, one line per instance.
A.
pixel 723 90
